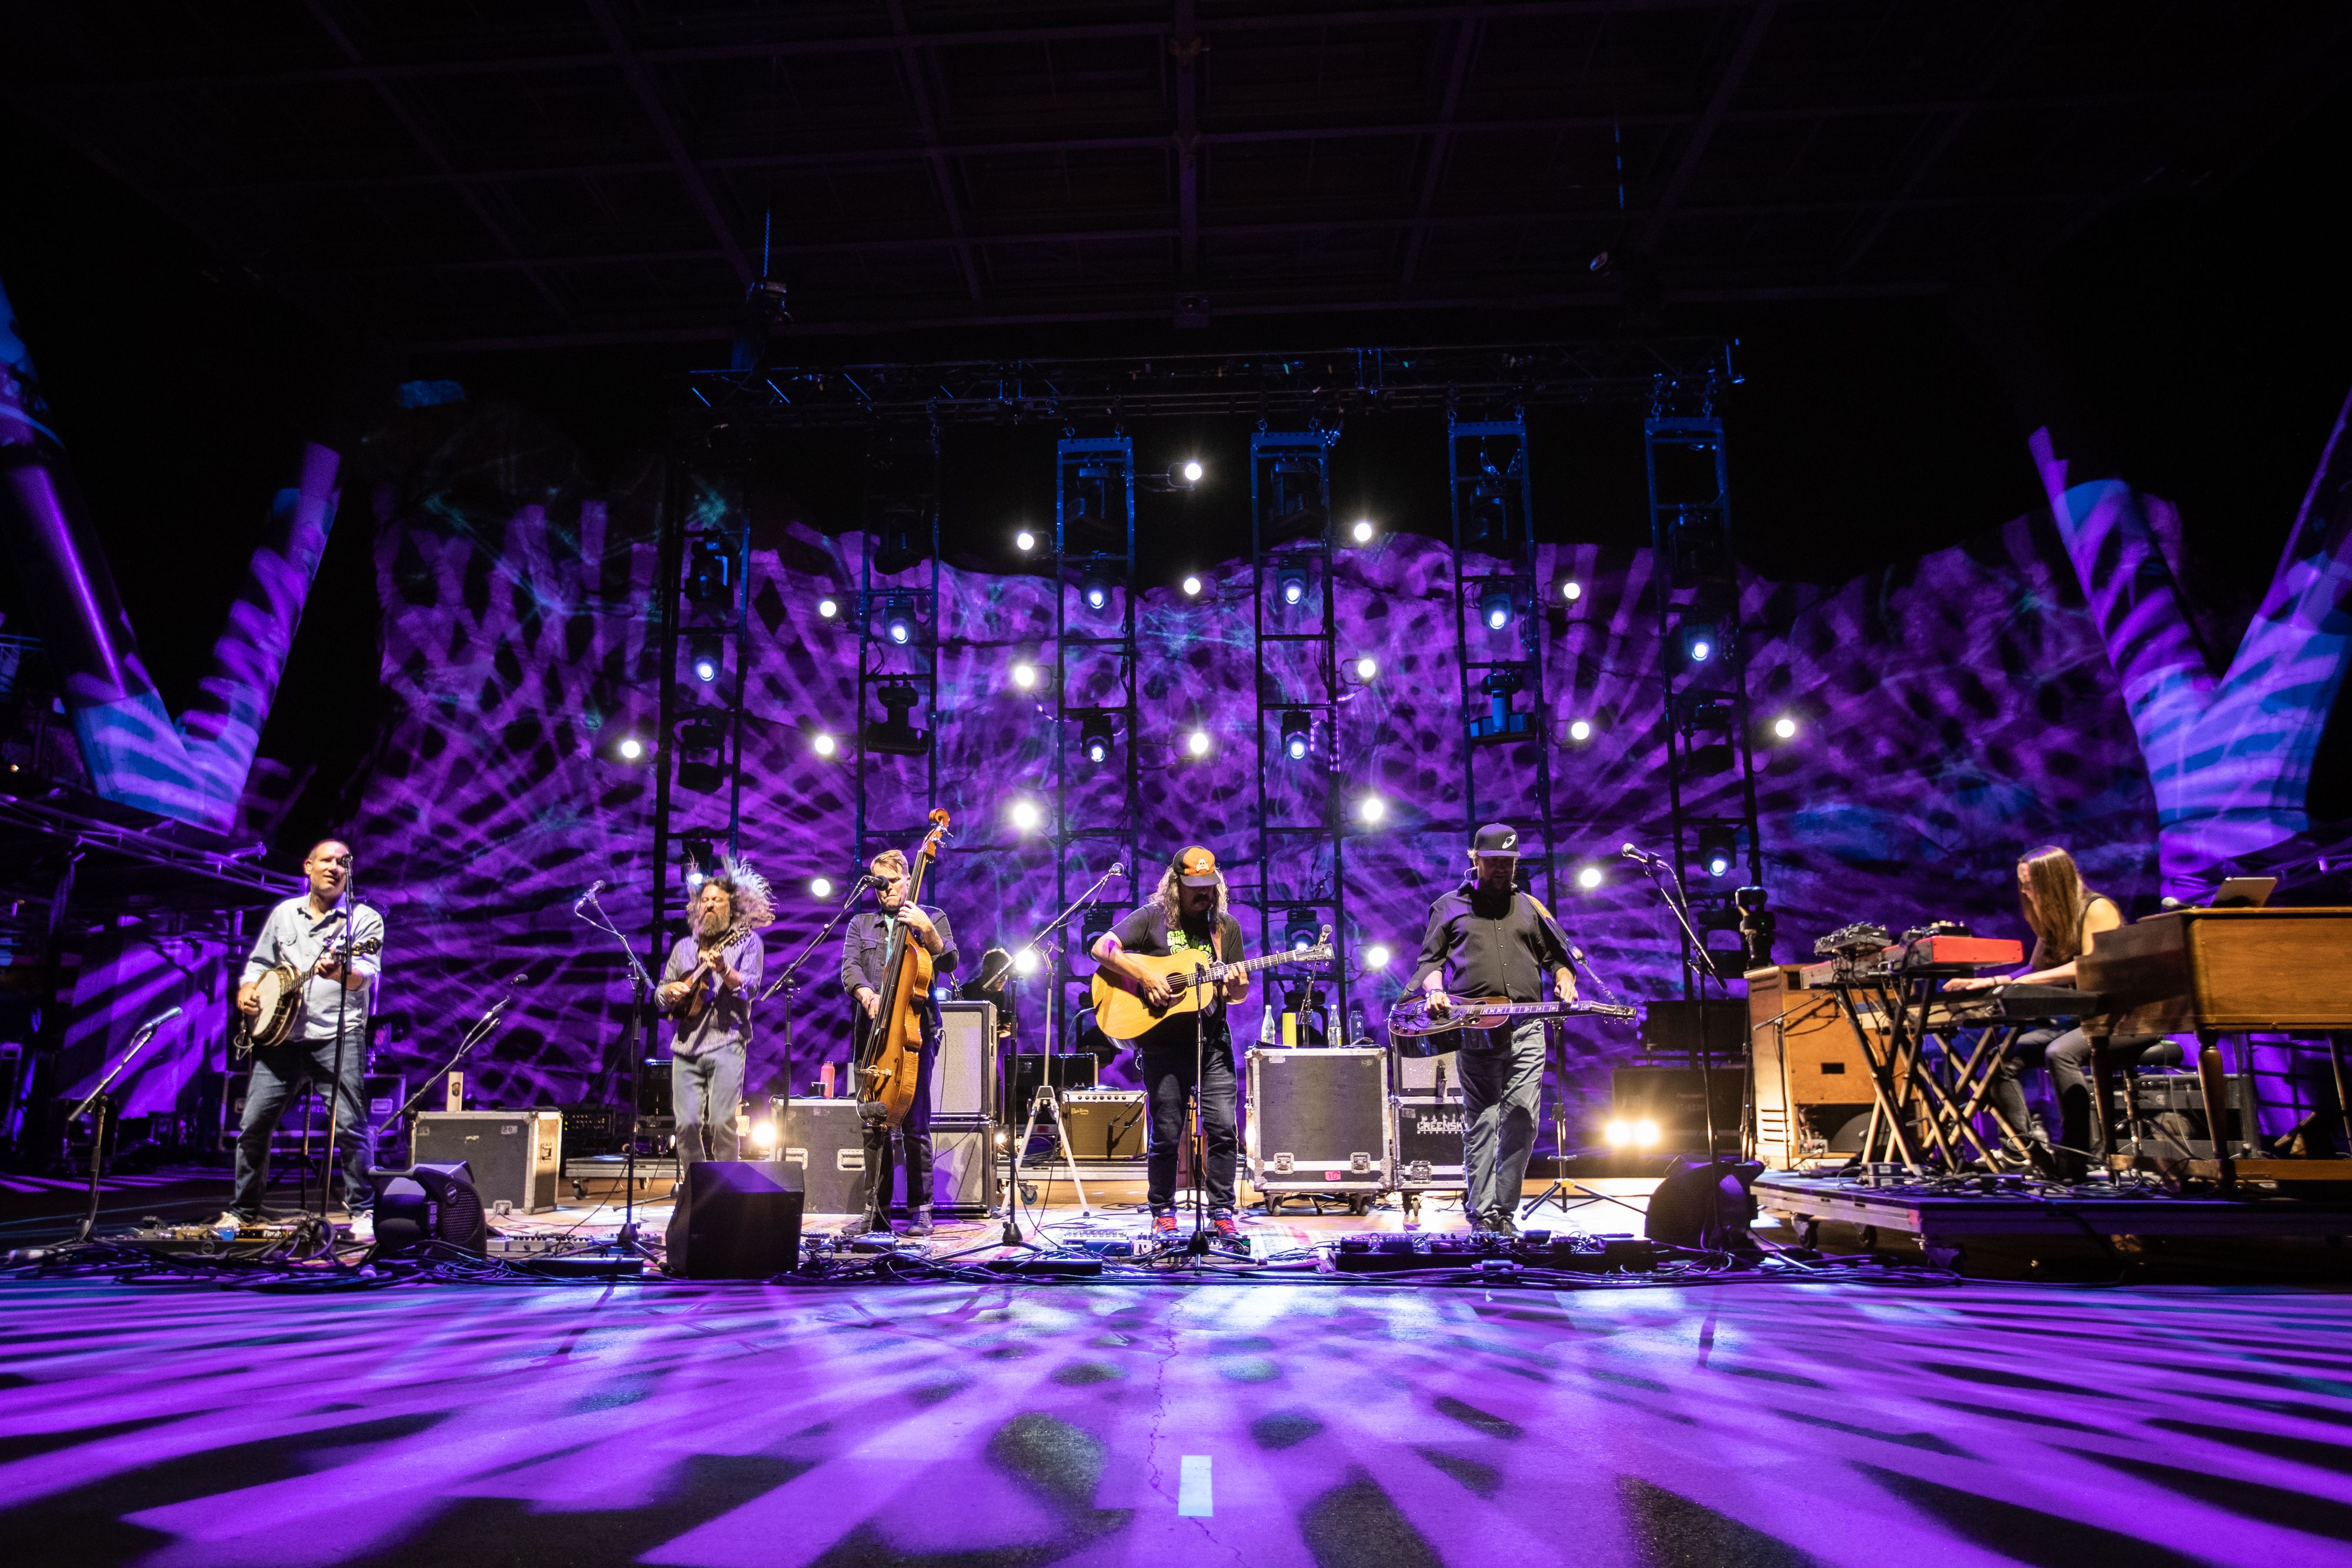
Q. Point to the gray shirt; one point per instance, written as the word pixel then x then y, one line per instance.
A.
pixel 297 935
pixel 727 1019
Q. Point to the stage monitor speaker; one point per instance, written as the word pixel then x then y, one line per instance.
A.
pixel 963 1075
pixel 1677 1210
pixel 430 1203
pixel 736 1219
pixel 517 1157
pixel 821 1137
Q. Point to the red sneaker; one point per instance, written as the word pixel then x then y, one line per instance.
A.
pixel 1164 1227
pixel 1220 1220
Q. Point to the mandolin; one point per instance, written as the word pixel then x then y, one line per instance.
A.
pixel 1121 1012
pixel 713 964
pixel 892 1056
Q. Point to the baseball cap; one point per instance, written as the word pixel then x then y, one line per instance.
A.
pixel 1496 839
pixel 1198 867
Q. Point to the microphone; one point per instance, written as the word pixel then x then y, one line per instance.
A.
pixel 158 1021
pixel 1117 869
pixel 589 894
pixel 1631 853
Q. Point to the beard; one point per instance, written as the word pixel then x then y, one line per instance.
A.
pixel 709 922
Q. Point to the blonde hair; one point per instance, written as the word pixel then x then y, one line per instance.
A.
pixel 2055 902
pixel 890 863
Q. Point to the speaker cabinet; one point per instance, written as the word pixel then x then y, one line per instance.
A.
pixel 964 1076
pixel 1318 1120
pixel 821 1138
pixel 515 1156
pixel 736 1219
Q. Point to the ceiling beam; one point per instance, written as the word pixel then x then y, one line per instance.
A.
pixel 915 66
pixel 1432 174
pixel 1185 47
pixel 697 189
pixel 1719 103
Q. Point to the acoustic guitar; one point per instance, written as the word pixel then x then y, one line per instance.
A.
pixel 1122 1013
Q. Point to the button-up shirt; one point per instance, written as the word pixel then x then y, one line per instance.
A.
pixel 726 1019
pixel 1497 944
pixel 297 935
pixel 865 947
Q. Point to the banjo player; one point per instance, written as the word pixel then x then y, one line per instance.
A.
pixel 307 933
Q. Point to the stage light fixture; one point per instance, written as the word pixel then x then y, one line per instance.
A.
pixel 763 1134
pixel 1580 730
pixel 1588 878
pixel 1571 590
pixel 821 886
pixel 1299 930
pixel 1197 743
pixel 1024 540
pixel 1784 728
pixel 696 770
pixel 1377 955
pixel 1095 589
pixel 1097 919
pixel 1025 962
pixel 1192 470
pixel 1366 668
pixel 1025 675
pixel 828 608
pixel 1699 640
pixel 1290 583
pixel 823 743
pixel 631 748
pixel 1192 586
pixel 1298 734
pixel 709 569
pixel 895 732
pixel 1495 607
pixel 899 620
pixel 707 656
pixel 1371 808
pixel 1646 1133
pixel 1363 530
pixel 1095 737
pixel 1025 816
pixel 1718 848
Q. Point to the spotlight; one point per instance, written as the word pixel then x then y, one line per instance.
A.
pixel 1299 931
pixel 707 654
pixel 631 748
pixel 1571 590
pixel 1026 816
pixel 1646 1133
pixel 1192 586
pixel 895 732
pixel 821 886
pixel 1371 808
pixel 709 569
pixel 900 628
pixel 1588 878
pixel 1095 590
pixel 1699 641
pixel 1718 849
pixel 1025 962
pixel 1095 737
pixel 1363 530
pixel 1297 731
pixel 1784 728
pixel 828 608
pixel 1025 675
pixel 1376 957
pixel 1197 743
pixel 1290 583
pixel 1190 471
pixel 763 1134
pixel 1619 1132
pixel 1579 729
pixel 1366 668
pixel 1024 540
pixel 823 743
pixel 1495 607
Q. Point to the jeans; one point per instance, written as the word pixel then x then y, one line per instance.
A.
pixel 914 1138
pixel 1168 1078
pixel 705 1092
pixel 1500 1088
pixel 279 1074
pixel 2067 1054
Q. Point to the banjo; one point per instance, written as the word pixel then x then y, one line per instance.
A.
pixel 279 992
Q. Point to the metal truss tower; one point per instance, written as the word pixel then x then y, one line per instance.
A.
pixel 1098 773
pixel 1703 651
pixel 1301 868
pixel 898 639
pixel 1498 626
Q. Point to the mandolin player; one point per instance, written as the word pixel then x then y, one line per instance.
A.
pixel 705 990
pixel 307 934
pixel 865 970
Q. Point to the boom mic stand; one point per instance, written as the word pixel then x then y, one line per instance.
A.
pixel 1044 1097
pixel 625 1238
pixel 788 981
pixel 104 1104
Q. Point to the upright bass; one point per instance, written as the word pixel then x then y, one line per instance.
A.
pixel 893 1057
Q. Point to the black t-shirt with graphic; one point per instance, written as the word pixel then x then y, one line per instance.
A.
pixel 1150 932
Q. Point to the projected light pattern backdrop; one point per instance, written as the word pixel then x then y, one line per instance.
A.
pixel 1951 712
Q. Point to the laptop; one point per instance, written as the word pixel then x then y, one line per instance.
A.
pixel 2244 892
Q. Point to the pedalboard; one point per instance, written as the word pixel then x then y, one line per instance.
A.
pixel 1564 1251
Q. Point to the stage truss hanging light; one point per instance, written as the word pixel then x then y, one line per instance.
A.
pixel 1095 737
pixel 1297 734
pixel 1495 606
pixel 707 655
pixel 895 732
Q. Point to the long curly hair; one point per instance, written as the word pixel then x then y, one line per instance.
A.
pixel 1170 898
pixel 749 899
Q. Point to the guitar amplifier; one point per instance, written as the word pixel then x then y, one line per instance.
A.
pixel 1429 1142
pixel 964 1076
pixel 515 1155
pixel 1072 1069
pixel 2172 1124
pixel 1440 1074
pixel 1105 1123
pixel 821 1137
pixel 1318 1120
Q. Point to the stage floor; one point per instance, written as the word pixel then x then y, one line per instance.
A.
pixel 1325 1421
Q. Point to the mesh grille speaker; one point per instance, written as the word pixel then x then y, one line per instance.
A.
pixel 736 1219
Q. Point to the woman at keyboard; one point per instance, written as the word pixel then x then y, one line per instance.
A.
pixel 2064 915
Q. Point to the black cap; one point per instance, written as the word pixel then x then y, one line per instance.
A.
pixel 1496 839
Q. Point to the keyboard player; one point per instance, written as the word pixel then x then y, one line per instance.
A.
pixel 2064 915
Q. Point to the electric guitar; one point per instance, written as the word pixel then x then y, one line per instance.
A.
pixel 1122 1013
pixel 1413 1017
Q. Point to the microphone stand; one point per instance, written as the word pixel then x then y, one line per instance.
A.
pixel 1044 1097
pixel 104 1104
pixel 335 1094
pixel 789 982
pixel 625 1238
pixel 1670 887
